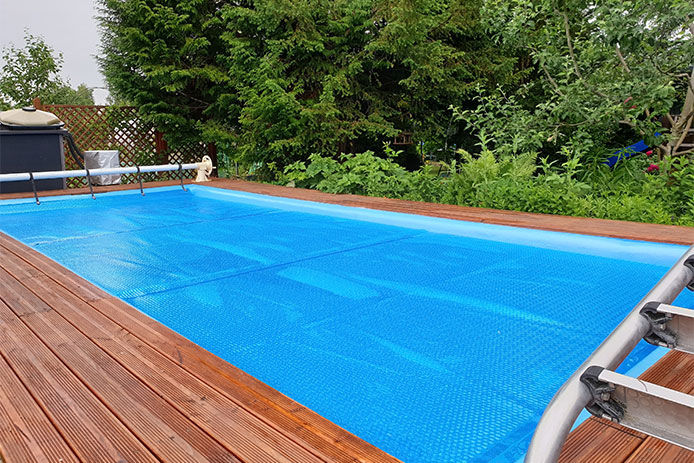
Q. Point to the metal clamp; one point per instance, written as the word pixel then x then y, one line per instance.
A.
pixel 180 174
pixel 658 334
pixel 89 183
pixel 33 187
pixel 689 263
pixel 139 179
pixel 601 404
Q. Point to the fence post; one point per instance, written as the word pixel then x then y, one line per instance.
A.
pixel 36 102
pixel 160 147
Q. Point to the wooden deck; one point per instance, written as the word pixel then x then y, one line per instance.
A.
pixel 86 377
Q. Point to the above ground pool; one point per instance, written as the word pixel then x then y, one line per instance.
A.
pixel 436 340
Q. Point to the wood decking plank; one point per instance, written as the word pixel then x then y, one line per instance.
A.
pixel 231 424
pixel 675 372
pixel 587 443
pixel 253 393
pixel 38 264
pixel 166 432
pixel 26 433
pixel 291 417
pixel 656 450
pixel 93 432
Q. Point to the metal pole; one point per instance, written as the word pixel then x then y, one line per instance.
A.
pixel 573 396
pixel 93 172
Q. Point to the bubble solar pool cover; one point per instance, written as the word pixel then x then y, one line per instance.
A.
pixel 435 340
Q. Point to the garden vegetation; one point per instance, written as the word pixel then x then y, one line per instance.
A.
pixel 509 104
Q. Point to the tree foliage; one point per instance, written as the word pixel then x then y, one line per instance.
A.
pixel 280 79
pixel 166 58
pixel 33 71
pixel 610 72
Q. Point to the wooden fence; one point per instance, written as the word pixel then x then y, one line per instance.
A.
pixel 121 128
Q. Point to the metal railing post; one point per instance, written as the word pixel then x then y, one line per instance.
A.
pixel 573 396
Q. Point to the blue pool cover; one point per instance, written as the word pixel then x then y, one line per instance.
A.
pixel 435 340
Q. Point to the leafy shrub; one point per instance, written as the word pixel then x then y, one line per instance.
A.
pixel 628 192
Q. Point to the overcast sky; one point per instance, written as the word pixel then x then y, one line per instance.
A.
pixel 67 25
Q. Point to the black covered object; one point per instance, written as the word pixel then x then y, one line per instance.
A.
pixel 31 141
pixel 32 150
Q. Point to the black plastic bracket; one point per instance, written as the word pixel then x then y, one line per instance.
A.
pixel 601 404
pixel 33 187
pixel 658 334
pixel 89 182
pixel 180 174
pixel 139 179
pixel 689 262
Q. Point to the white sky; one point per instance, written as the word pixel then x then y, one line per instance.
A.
pixel 68 26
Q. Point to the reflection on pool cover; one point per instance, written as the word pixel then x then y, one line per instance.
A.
pixel 435 340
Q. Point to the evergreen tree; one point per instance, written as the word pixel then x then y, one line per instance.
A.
pixel 164 57
pixel 280 79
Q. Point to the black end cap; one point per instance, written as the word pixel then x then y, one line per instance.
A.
pixel 650 308
pixel 689 263
pixel 591 374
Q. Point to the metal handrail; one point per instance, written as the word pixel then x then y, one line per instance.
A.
pixel 573 396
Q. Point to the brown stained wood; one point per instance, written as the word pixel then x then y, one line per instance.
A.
pixel 254 394
pixel 656 450
pixel 167 433
pixel 93 432
pixel 42 265
pixel 130 337
pixel 26 434
pixel 674 371
pixel 293 419
pixel 240 431
pixel 599 441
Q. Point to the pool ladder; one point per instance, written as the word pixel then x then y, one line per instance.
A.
pixel 654 410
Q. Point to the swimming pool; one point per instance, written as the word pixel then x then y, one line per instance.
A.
pixel 435 340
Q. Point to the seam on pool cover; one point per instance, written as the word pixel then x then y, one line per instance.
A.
pixel 139 292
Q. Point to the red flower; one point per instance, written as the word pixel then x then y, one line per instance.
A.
pixel 649 152
pixel 652 167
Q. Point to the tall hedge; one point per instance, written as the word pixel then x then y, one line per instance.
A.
pixel 275 80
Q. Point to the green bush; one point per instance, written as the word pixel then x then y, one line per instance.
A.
pixel 629 192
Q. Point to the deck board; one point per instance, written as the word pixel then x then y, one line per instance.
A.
pixel 94 379
pixel 92 430
pixel 200 403
pixel 25 431
pixel 167 396
pixel 272 407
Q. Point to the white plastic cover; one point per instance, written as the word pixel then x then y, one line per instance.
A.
pixel 103 160
pixel 29 117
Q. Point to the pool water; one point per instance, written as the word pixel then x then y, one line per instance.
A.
pixel 435 340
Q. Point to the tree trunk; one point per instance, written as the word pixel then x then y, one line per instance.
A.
pixel 683 123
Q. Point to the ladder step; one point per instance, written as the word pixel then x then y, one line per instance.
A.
pixel 671 326
pixel 655 410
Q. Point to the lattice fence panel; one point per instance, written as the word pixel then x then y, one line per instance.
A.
pixel 121 128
